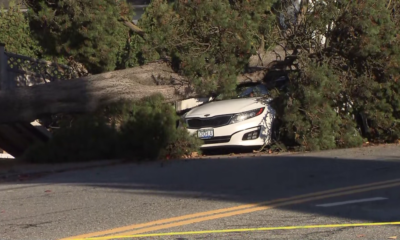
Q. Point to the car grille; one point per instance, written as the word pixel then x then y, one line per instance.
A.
pixel 197 123
pixel 223 139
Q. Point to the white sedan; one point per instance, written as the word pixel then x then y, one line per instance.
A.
pixel 244 121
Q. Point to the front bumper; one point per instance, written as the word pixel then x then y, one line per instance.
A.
pixel 232 135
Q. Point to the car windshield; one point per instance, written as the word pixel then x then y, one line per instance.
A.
pixel 244 92
pixel 253 91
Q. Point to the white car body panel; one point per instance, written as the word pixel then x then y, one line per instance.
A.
pixel 235 131
pixel 226 107
pixel 190 103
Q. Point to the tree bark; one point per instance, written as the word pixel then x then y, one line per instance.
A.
pixel 86 94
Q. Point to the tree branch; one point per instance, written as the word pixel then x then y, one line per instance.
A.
pixel 132 26
pixel 86 94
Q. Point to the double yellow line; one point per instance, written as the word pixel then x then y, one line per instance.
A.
pixel 135 229
pixel 241 230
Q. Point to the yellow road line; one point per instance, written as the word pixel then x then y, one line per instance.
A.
pixel 217 211
pixel 256 229
pixel 240 212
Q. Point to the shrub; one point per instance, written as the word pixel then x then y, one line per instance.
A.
pixel 148 130
pixel 86 138
pixel 143 130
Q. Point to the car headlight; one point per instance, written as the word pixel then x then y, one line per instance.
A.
pixel 246 115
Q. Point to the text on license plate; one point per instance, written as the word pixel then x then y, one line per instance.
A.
pixel 205 133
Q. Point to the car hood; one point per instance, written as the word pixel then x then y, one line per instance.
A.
pixel 224 107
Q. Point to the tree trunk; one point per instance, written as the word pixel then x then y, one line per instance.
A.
pixel 86 94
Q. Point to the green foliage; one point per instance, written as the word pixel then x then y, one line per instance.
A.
pixel 182 144
pixel 84 139
pixel 209 42
pixel 149 130
pixel 355 71
pixel 89 32
pixel 144 130
pixel 131 55
pixel 373 60
pixel 308 111
pixel 15 32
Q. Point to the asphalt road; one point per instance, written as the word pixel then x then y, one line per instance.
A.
pixel 261 197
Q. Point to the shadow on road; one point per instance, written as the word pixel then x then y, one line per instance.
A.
pixel 228 150
pixel 244 179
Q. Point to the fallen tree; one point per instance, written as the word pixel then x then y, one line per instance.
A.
pixel 83 95
pixel 210 58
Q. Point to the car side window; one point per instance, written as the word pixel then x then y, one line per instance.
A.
pixel 246 92
pixel 260 90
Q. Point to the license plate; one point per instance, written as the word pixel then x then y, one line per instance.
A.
pixel 205 133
